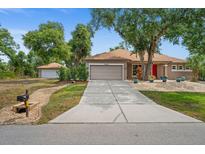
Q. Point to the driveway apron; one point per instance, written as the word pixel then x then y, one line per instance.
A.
pixel 114 101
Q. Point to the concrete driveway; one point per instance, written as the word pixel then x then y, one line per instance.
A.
pixel 116 102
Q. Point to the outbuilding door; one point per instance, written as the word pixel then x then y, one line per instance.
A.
pixel 49 73
pixel 106 72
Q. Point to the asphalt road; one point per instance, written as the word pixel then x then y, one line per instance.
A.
pixel 120 133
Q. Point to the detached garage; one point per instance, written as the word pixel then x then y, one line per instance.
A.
pixel 49 71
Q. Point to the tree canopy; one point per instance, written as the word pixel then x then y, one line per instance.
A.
pixel 144 29
pixel 48 42
pixel 80 43
pixel 8 47
pixel 194 35
pixel 18 64
pixel 119 46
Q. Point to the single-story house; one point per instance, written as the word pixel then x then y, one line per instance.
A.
pixel 121 64
pixel 49 71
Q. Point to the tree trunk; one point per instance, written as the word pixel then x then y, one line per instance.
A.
pixel 141 56
pixel 150 52
pixel 77 60
pixel 149 64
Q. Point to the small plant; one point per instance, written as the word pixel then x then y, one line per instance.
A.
pixel 164 78
pixel 135 80
pixel 151 78
pixel 183 78
pixel 178 79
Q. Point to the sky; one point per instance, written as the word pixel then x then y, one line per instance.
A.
pixel 20 21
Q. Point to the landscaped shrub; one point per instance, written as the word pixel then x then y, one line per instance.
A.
pixel 7 75
pixel 69 75
pixel 62 73
pixel 73 73
pixel 178 79
pixel 151 78
pixel 82 72
pixel 202 75
pixel 183 78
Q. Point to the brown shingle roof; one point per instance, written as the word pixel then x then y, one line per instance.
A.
pixel 122 54
pixel 51 66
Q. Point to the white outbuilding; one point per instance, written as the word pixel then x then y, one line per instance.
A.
pixel 49 71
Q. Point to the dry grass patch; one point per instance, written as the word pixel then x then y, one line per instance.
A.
pixel 9 89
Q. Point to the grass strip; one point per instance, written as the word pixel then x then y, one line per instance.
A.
pixel 189 103
pixel 61 101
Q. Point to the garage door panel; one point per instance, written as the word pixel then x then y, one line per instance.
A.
pixel 108 72
pixel 49 74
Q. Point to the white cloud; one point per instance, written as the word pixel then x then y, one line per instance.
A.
pixel 7 11
pixel 66 11
pixel 3 11
pixel 63 10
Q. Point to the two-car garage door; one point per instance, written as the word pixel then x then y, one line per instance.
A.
pixel 106 72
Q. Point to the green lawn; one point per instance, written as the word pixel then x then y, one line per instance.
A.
pixel 189 103
pixel 62 101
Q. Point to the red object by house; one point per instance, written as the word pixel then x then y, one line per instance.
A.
pixel 154 70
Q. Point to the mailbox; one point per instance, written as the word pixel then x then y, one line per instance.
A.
pixel 22 98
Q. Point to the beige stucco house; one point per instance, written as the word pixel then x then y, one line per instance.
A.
pixel 121 64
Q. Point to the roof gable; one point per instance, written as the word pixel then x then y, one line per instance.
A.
pixel 122 54
pixel 50 66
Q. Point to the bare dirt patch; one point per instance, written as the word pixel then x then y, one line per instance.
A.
pixel 41 96
pixel 170 85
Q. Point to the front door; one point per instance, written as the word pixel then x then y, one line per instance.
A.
pixel 154 70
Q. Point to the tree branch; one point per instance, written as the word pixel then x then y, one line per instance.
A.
pixel 162 32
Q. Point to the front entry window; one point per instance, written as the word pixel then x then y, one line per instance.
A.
pixel 137 71
pixel 134 70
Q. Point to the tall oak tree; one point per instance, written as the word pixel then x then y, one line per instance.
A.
pixel 144 29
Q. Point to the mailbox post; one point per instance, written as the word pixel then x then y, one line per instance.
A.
pixel 27 103
pixel 24 98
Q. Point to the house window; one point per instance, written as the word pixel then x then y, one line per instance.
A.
pixel 174 67
pixel 180 67
pixel 187 68
pixel 134 70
